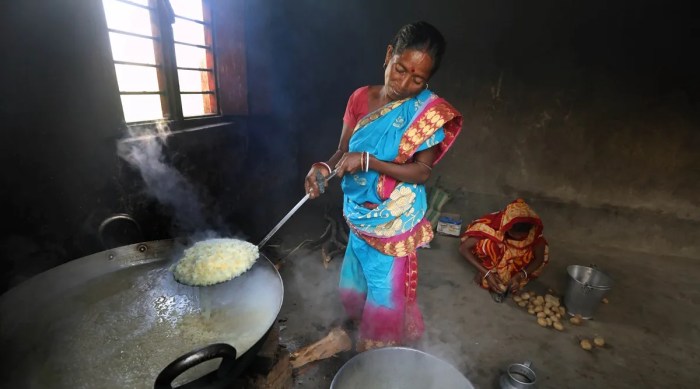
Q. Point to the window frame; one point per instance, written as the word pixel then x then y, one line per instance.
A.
pixel 162 17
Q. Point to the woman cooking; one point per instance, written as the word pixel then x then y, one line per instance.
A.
pixel 393 134
pixel 507 248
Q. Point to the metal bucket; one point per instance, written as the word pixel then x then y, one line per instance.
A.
pixel 398 368
pixel 587 287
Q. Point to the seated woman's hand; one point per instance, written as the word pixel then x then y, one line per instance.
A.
pixel 495 282
pixel 349 163
pixel 516 282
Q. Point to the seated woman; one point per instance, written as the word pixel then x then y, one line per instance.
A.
pixel 507 248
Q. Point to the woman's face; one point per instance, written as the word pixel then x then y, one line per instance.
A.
pixel 517 235
pixel 406 74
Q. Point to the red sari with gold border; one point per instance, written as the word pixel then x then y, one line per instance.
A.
pixel 507 256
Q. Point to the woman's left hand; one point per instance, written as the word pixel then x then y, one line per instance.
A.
pixel 515 282
pixel 349 163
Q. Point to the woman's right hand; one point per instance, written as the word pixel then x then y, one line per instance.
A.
pixel 495 282
pixel 310 184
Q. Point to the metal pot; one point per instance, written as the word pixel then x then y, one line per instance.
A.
pixel 519 376
pixel 586 288
pixel 118 318
pixel 398 368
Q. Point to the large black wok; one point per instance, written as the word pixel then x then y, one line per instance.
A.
pixel 117 318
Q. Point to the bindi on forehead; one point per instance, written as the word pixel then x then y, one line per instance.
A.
pixel 416 63
pixel 417 58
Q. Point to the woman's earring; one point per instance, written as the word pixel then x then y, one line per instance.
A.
pixel 384 67
pixel 426 85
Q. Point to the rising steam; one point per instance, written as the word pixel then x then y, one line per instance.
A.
pixel 143 150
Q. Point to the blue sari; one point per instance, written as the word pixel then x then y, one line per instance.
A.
pixel 379 272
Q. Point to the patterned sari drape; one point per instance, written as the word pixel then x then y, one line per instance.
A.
pixel 496 251
pixel 379 275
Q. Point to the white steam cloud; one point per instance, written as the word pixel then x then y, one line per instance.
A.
pixel 143 150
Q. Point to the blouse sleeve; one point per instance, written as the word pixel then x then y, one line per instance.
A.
pixel 350 118
pixel 357 107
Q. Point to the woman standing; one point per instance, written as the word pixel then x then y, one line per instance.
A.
pixel 392 136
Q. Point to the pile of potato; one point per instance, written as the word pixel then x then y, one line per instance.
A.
pixel 547 309
pixel 549 313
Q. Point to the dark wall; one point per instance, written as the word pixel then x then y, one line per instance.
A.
pixel 589 102
pixel 58 122
pixel 586 103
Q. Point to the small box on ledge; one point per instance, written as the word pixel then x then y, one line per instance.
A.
pixel 449 224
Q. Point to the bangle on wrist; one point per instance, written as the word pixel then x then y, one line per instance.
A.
pixel 524 272
pixel 323 164
pixel 487 273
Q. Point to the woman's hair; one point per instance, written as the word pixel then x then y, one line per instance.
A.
pixel 420 36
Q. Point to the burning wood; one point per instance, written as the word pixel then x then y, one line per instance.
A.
pixel 335 342
pixel 333 241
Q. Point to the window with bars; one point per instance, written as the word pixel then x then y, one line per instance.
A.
pixel 163 53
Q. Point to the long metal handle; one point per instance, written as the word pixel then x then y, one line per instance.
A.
pixel 321 186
